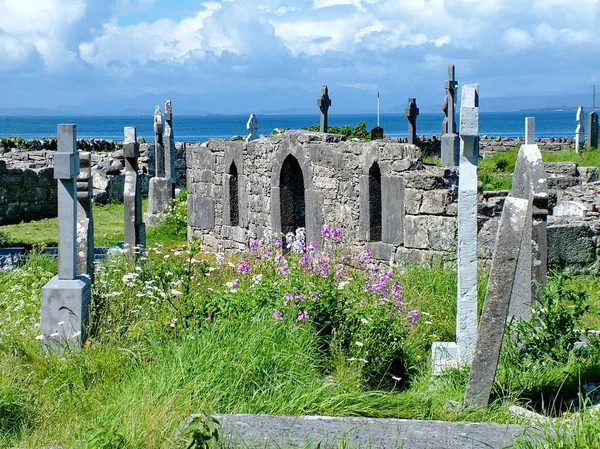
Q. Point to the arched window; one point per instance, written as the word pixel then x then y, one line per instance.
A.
pixel 291 191
pixel 234 198
pixel 374 203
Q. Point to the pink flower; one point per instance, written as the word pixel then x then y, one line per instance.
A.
pixel 277 315
pixel 302 316
pixel 414 316
pixel 243 267
pixel 284 270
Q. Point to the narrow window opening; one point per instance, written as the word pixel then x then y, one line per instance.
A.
pixel 374 203
pixel 234 198
pixel 291 188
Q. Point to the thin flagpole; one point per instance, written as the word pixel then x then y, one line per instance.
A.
pixel 378 109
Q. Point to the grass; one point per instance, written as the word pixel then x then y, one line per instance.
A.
pixel 108 228
pixel 174 334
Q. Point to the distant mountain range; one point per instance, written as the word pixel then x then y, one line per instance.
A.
pixel 232 104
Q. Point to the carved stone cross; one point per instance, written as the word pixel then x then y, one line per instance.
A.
pixel 324 102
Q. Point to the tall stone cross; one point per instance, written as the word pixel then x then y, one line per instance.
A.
pixel 450 142
pixel 324 102
pixel 159 151
pixel 169 146
pixel 529 130
pixel 66 297
pixel 412 111
pixel 579 131
pixel 252 127
pixel 466 314
pixel 592 127
pixel 135 229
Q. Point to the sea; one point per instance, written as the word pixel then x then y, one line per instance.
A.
pixel 201 128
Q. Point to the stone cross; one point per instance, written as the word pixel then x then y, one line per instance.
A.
pixel 450 143
pixel 412 111
pixel 529 130
pixel 169 146
pixel 529 183
pixel 451 85
pixel 324 102
pixel 592 140
pixel 579 132
pixel 466 314
pixel 159 151
pixel 252 127
pixel 85 220
pixel 495 308
pixel 135 229
pixel 66 297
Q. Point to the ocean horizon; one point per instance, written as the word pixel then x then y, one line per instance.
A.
pixel 198 128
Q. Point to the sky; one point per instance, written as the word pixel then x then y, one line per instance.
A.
pixel 234 56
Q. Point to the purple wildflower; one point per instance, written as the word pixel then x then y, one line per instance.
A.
pixel 278 243
pixel 277 315
pixel 414 316
pixel 365 255
pixel 312 246
pixel 283 270
pixel 397 294
pixel 314 296
pixel 243 267
pixel 279 258
pixel 235 283
pixel 267 254
pixel 254 244
pixel 302 316
pixel 300 297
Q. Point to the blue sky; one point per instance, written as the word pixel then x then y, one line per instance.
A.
pixel 245 55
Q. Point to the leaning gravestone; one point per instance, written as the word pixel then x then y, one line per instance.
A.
pixel 160 190
pixel 450 142
pixel 412 111
pixel 252 127
pixel 135 229
pixel 447 354
pixel 85 220
pixel 324 102
pixel 66 297
pixel 529 183
pixel 495 308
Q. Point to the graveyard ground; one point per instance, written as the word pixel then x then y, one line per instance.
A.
pixel 183 331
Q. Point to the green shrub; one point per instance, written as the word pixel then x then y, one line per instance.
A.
pixel 358 132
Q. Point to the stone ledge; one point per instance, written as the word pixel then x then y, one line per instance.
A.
pixel 266 431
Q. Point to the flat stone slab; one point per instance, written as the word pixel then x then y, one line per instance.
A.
pixel 266 431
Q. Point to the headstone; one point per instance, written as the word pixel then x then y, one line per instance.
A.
pixel 160 189
pixel 466 314
pixel 324 102
pixel 570 209
pixel 579 132
pixel 529 183
pixel 66 297
pixel 450 142
pixel 412 111
pixel 85 220
pixel 377 133
pixel 159 150
pixel 169 147
pixel 592 140
pixel 529 130
pixel 252 127
pixel 497 300
pixel 135 229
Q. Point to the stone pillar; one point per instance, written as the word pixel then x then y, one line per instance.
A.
pixel 579 131
pixel 497 300
pixel 252 127
pixel 450 143
pixel 466 310
pixel 529 130
pixel 160 190
pixel 592 140
pixel 85 220
pixel 412 111
pixel 324 102
pixel 135 229
pixel 169 147
pixel 66 297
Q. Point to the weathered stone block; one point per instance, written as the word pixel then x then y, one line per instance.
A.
pixel 571 243
pixel 201 212
pixel 442 233
pixel 435 201
pixel 416 233
pixel 412 201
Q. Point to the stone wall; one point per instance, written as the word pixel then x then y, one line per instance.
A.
pixel 26 194
pixel 418 203
pixel 489 145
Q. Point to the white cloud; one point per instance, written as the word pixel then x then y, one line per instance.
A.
pixel 518 39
